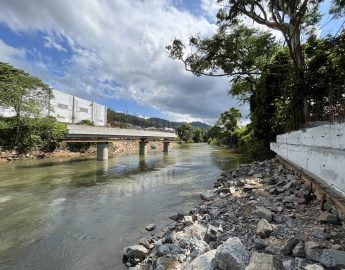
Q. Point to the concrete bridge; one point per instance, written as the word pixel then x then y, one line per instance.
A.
pixel 104 135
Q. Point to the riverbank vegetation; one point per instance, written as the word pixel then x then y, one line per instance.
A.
pixel 28 97
pixel 287 82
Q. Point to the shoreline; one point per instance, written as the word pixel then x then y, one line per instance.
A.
pixel 259 216
pixel 115 147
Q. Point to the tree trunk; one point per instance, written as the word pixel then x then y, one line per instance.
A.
pixel 297 54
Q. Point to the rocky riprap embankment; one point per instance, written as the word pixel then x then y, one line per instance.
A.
pixel 259 216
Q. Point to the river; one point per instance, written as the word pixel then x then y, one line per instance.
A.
pixel 81 213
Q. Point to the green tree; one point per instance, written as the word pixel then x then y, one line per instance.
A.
pixel 185 132
pixel 198 135
pixel 24 93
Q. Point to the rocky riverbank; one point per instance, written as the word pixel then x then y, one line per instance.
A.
pixel 116 147
pixel 260 216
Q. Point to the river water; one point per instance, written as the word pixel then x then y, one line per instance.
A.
pixel 80 214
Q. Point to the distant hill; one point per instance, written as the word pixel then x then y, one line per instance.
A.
pixel 126 120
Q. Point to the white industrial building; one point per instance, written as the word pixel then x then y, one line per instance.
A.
pixel 70 109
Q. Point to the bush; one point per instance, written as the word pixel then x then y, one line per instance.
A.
pixel 26 134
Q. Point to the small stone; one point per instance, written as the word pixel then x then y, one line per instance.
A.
pixel 336 247
pixel 262 261
pixel 144 242
pixel 278 219
pixel 264 229
pixel 247 188
pixel 150 227
pixel 211 233
pixel 314 267
pixel 298 250
pixel 177 217
pixel 333 259
pixel 134 252
pixel 251 172
pixel 188 220
pixel 264 213
pixel 327 217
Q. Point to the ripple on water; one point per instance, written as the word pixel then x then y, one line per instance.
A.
pixel 5 199
pixel 57 201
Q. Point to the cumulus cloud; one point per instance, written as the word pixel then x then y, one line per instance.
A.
pixel 118 51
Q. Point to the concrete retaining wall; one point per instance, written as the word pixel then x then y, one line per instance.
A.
pixel 319 151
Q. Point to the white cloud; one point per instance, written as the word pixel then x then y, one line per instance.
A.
pixel 10 54
pixel 119 52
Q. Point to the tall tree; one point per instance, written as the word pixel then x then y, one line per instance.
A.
pixel 24 93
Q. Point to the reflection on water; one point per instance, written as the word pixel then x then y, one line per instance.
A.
pixel 80 214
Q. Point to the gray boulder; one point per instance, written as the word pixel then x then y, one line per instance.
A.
pixel 232 255
pixel 264 229
pixel 312 251
pixel 211 233
pixel 264 213
pixel 135 252
pixel 170 249
pixel 328 218
pixel 298 250
pixel 150 227
pixel 262 261
pixel 205 261
pixel 333 259
pixel 289 245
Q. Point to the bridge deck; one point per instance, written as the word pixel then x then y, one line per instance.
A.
pixel 90 133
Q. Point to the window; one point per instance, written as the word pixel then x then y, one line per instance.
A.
pixel 83 110
pixel 63 106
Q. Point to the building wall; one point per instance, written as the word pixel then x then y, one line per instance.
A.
pixel 71 109
pixel 319 151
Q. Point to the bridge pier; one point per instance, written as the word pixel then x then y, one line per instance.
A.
pixel 102 151
pixel 166 146
pixel 142 147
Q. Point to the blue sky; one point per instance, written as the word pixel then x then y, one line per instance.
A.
pixel 113 52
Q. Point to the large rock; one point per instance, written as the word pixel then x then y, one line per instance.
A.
pixel 264 213
pixel 205 261
pixel 298 250
pixel 333 259
pixel 131 253
pixel 312 251
pixel 262 261
pixel 232 255
pixel 196 230
pixel 170 249
pixel 264 229
pixel 328 218
pixel 194 246
pixel 289 245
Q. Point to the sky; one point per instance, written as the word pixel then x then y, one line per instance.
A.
pixel 113 52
